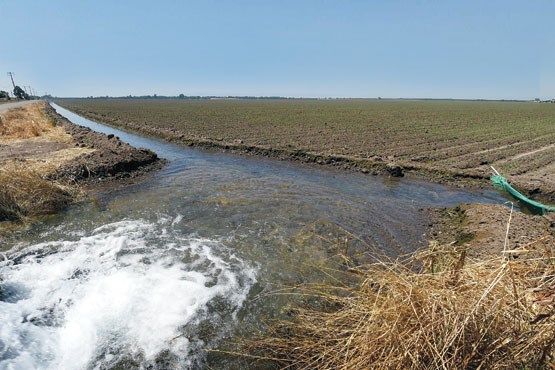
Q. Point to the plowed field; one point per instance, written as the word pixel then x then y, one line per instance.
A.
pixel 457 138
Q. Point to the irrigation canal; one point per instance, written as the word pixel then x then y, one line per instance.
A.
pixel 152 275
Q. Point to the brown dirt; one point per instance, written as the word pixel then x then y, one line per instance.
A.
pixel 482 228
pixel 27 149
pixel 30 138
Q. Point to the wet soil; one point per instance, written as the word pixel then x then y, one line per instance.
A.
pixel 482 228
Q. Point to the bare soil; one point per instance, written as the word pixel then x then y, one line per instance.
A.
pixel 27 149
pixel 482 228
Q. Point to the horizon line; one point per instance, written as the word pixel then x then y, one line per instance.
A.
pixel 279 97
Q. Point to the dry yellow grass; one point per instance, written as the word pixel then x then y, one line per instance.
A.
pixel 25 193
pixel 450 314
pixel 30 122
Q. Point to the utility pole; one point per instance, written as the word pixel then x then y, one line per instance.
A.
pixel 11 76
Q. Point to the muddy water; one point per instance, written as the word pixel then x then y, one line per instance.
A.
pixel 152 275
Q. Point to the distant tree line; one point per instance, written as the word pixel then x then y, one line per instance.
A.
pixel 276 97
pixel 180 96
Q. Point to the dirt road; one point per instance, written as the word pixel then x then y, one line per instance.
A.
pixel 19 104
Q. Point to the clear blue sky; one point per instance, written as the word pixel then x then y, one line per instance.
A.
pixel 302 48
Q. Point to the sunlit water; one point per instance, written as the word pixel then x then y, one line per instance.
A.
pixel 153 275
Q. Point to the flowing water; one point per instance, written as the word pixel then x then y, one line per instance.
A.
pixel 152 275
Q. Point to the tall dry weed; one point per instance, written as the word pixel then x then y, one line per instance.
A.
pixel 447 314
pixel 25 193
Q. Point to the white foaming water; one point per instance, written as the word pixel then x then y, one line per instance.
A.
pixel 131 291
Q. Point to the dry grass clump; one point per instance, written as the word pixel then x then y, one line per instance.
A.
pixel 25 193
pixel 15 125
pixel 446 314
pixel 29 122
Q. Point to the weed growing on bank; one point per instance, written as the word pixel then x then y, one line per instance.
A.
pixel 435 310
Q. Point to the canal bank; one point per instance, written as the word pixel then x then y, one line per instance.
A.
pixel 46 162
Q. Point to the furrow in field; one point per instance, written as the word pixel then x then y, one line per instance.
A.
pixel 501 154
pixel 489 150
pixel 518 156
pixel 523 166
pixel 528 163
pixel 414 144
pixel 546 173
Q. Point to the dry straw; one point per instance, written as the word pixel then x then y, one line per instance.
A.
pixel 436 310
pixel 25 193
pixel 30 122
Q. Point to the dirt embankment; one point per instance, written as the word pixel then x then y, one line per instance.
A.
pixel 110 158
pixel 46 162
